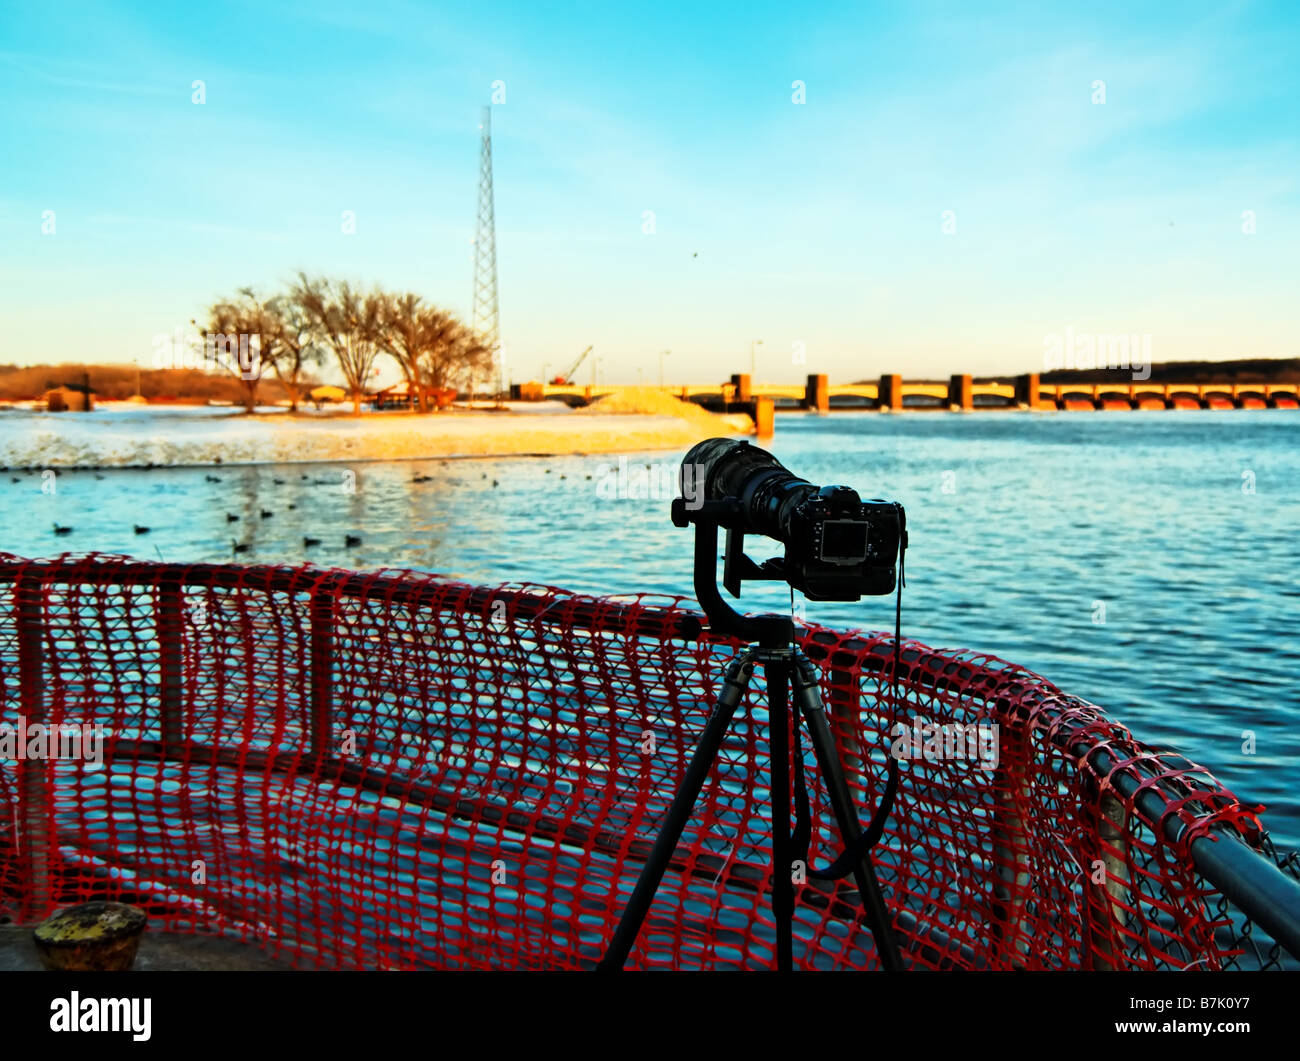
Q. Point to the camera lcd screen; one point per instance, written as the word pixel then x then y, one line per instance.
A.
pixel 844 541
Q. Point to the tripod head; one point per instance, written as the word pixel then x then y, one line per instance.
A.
pixel 769 631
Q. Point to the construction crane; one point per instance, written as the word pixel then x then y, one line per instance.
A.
pixel 565 378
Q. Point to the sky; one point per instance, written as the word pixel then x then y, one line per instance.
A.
pixel 865 188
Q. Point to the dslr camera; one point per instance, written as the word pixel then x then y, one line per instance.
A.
pixel 837 546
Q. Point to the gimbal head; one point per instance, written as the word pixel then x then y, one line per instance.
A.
pixel 769 631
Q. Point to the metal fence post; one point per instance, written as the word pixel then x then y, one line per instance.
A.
pixel 168 618
pixel 1103 907
pixel 1010 854
pixel 35 822
pixel 322 667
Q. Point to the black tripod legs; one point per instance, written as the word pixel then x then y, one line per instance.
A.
pixel 652 873
pixel 776 667
pixel 785 668
pixel 809 698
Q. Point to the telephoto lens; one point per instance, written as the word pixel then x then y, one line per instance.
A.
pixel 732 469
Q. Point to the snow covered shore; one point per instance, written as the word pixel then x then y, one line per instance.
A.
pixel 140 436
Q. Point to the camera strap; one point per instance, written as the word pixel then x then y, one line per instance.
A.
pixel 853 854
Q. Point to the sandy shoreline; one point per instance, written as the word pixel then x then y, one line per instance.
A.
pixel 62 442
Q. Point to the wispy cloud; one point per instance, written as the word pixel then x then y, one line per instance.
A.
pixel 80 75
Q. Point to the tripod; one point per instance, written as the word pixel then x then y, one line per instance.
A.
pixel 784 665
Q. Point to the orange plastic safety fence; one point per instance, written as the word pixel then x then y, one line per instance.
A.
pixel 394 770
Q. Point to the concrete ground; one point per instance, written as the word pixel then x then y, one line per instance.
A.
pixel 159 952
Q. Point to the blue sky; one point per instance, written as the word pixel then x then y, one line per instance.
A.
pixel 818 223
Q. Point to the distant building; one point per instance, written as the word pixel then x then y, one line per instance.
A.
pixel 326 393
pixel 402 396
pixel 69 400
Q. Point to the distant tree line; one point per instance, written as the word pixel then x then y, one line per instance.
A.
pixel 1240 370
pixel 115 382
pixel 318 320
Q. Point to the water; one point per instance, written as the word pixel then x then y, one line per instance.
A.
pixel 1142 561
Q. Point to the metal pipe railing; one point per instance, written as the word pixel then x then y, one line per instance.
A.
pixel 1257 887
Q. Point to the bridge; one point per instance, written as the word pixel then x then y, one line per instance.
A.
pixel 960 393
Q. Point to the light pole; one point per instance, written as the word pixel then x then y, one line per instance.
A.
pixel 545 366
pixel 662 355
pixel 756 342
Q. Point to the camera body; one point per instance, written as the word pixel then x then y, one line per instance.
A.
pixel 839 547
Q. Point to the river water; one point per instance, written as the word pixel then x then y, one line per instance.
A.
pixel 1140 560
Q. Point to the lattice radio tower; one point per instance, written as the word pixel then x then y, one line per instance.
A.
pixel 487 324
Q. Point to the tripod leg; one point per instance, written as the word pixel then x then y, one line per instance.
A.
pixel 809 699
pixel 652 873
pixel 777 670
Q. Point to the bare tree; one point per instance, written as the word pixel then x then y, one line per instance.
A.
pixel 295 331
pixel 430 345
pixel 242 340
pixel 455 353
pixel 284 333
pixel 346 321
pixel 400 335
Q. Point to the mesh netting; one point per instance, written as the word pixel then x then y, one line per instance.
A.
pixel 394 770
